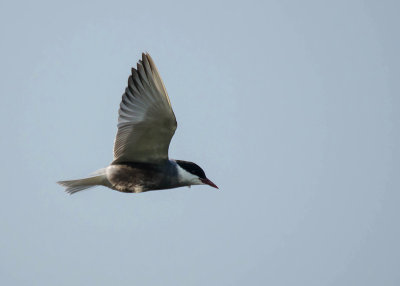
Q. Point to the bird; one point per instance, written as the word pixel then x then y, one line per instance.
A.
pixel 146 125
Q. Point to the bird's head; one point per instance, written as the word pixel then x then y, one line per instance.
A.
pixel 190 173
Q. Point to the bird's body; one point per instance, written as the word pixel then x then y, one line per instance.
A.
pixel 146 125
pixel 142 177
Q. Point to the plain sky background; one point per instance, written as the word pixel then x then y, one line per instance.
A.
pixel 291 108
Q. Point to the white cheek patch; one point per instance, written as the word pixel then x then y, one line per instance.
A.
pixel 187 178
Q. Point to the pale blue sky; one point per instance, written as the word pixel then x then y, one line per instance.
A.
pixel 291 108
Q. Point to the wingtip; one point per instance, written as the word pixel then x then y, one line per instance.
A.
pixel 145 55
pixel 148 57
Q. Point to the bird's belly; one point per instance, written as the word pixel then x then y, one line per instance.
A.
pixel 127 179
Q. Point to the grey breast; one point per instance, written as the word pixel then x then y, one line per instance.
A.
pixel 136 177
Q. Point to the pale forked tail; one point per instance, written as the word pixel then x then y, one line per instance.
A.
pixel 98 178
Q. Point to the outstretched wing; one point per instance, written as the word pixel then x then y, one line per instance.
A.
pixel 146 120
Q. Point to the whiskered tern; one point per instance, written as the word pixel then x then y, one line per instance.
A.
pixel 146 124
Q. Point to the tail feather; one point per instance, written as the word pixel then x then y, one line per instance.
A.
pixel 73 186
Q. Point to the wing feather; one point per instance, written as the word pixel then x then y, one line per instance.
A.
pixel 146 120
